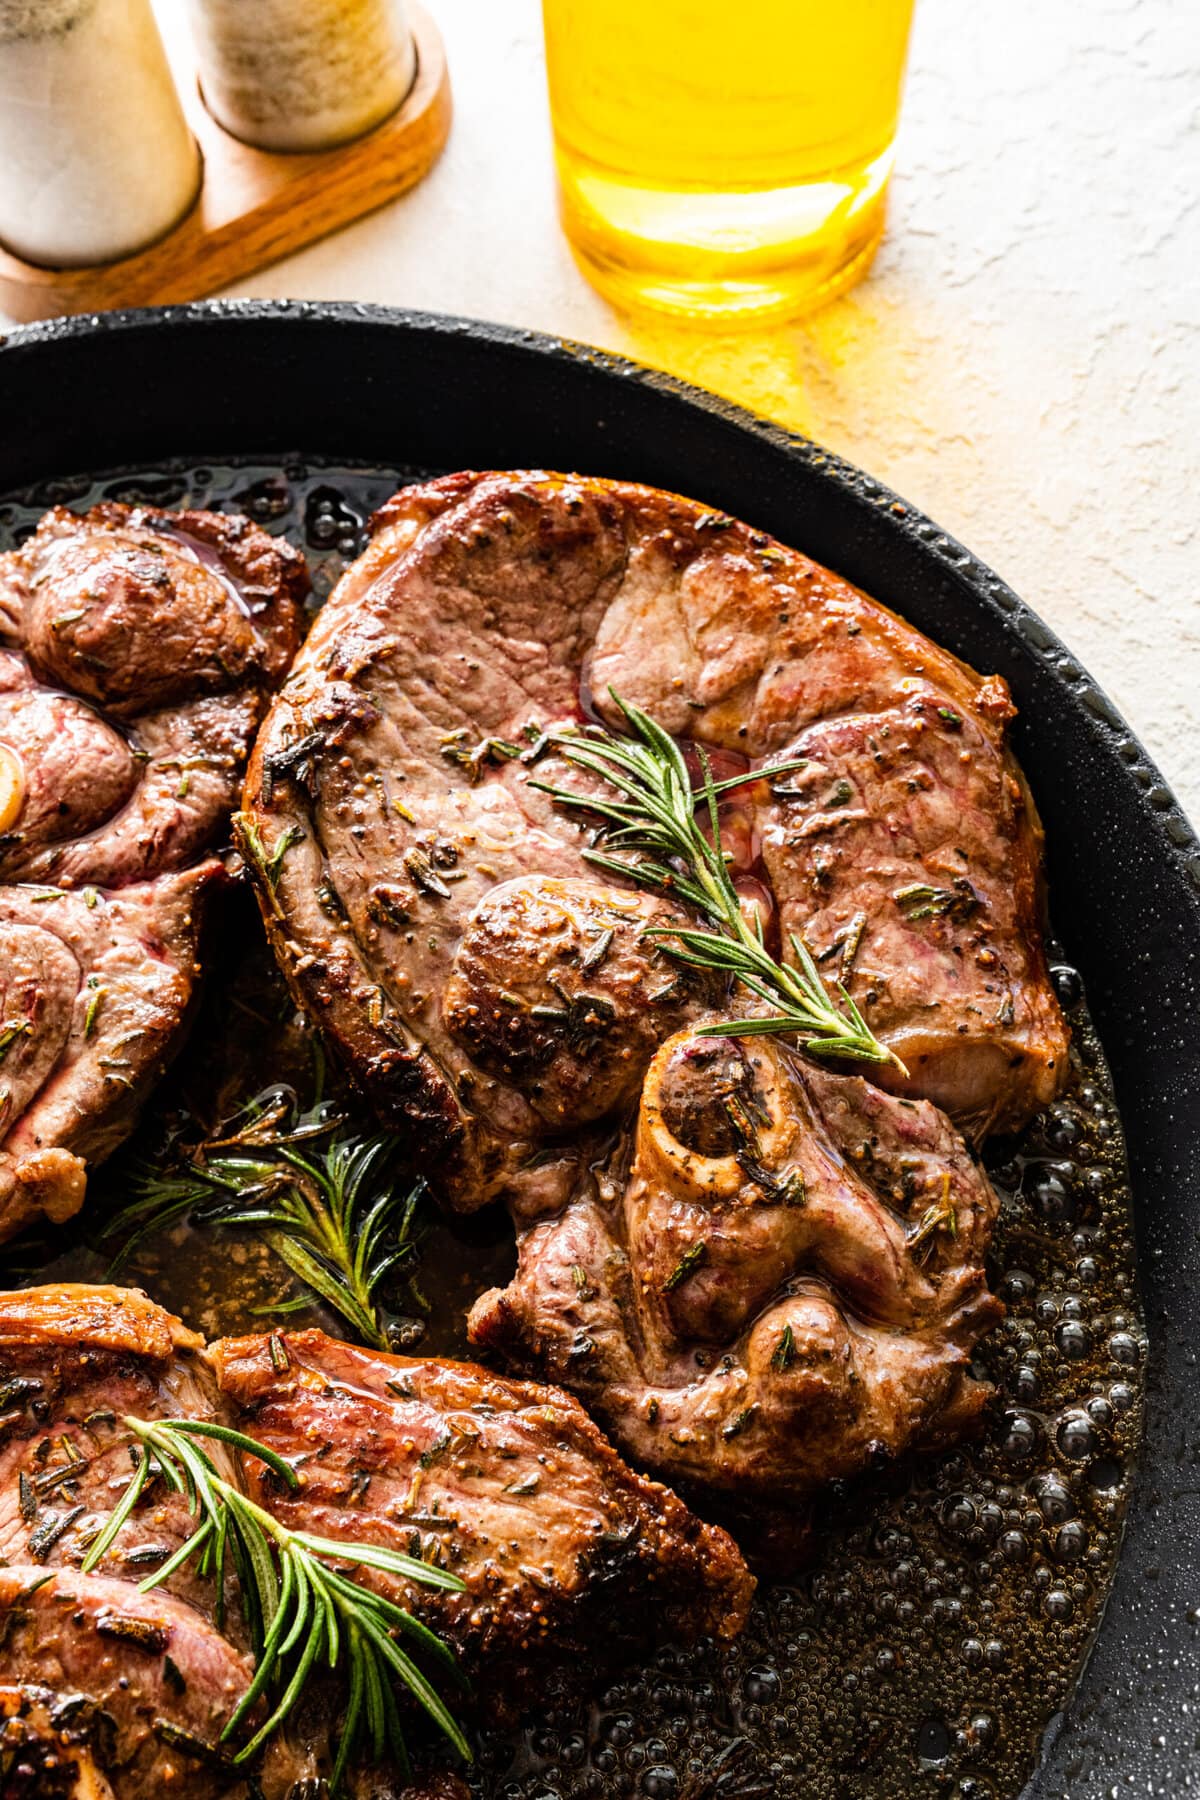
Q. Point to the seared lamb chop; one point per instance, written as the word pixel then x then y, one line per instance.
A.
pixel 782 1287
pixel 907 851
pixel 137 1681
pixel 75 1359
pixel 140 647
pixel 406 865
pixel 150 1679
pixel 94 988
pixel 568 1557
pixel 571 1561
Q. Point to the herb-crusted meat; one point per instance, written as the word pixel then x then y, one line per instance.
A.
pixel 75 1360
pixel 782 1285
pixel 569 1558
pixel 571 1561
pixel 94 987
pixel 755 1314
pixel 145 1681
pixel 399 842
pixel 150 1681
pixel 136 647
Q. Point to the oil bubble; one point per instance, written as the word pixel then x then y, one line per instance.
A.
pixel 660 1782
pixel 1076 1437
pixel 1105 1474
pixel 1074 1340
pixel 1067 984
pixel 1124 1348
pixel 1053 1200
pixel 933 1741
pixel 959 1516
pixel 1021 1436
pixel 1054 1500
pixel 761 1685
pixel 1061 1129
pixel 1024 1383
pixel 268 499
pixel 1071 1542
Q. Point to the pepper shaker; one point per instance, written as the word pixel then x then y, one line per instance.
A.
pixel 284 76
pixel 96 158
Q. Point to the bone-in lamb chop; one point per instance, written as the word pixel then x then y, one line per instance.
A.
pixel 568 1558
pixel 781 1287
pixel 137 1682
pixel 136 651
pixel 756 1312
pixel 388 798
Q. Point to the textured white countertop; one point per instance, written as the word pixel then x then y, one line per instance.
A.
pixel 1022 362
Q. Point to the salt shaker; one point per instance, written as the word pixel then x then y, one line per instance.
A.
pixel 284 76
pixel 96 158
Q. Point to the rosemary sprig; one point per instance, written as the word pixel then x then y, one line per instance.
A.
pixel 318 1193
pixel 304 1613
pixel 655 824
pixel 941 1216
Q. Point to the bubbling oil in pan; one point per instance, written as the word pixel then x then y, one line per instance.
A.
pixel 950 1604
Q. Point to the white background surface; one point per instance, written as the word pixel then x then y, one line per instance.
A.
pixel 1023 361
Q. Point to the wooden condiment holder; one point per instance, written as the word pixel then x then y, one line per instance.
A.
pixel 254 206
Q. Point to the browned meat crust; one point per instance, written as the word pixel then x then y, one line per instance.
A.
pixel 572 1562
pixel 87 1656
pixel 163 605
pixel 403 859
pixel 783 1287
pixel 140 645
pixel 79 1315
pixel 73 1361
pixel 374 795
pixel 570 1559
pixel 784 1321
pixel 94 990
pixel 908 849
pixel 99 1640
pixel 50 1748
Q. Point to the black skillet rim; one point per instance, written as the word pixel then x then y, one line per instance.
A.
pixel 1124 862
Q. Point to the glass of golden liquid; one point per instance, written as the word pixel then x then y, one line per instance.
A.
pixel 724 161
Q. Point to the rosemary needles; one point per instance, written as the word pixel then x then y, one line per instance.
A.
pixel 653 826
pixel 304 1612
pixel 320 1194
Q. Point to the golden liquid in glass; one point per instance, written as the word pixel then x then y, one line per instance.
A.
pixel 726 160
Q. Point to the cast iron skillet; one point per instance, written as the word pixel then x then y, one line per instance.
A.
pixel 367 384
